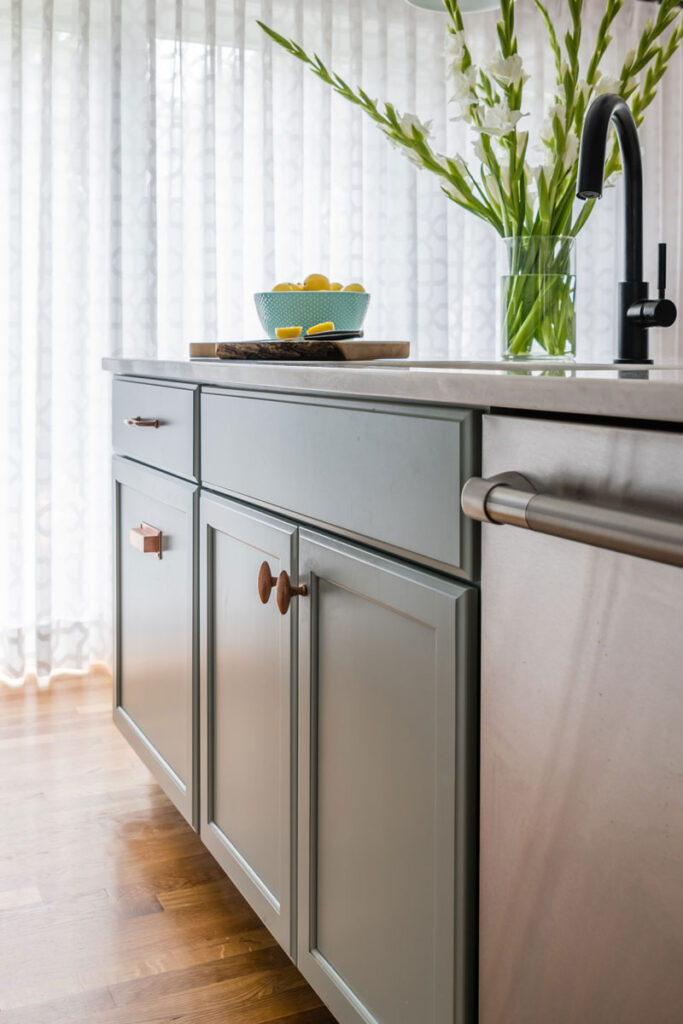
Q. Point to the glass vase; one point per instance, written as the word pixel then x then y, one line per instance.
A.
pixel 538 297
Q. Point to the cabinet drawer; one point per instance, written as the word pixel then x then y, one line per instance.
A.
pixel 388 473
pixel 170 445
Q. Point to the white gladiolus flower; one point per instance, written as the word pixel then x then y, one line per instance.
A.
pixel 558 110
pixel 571 150
pixel 409 153
pixel 492 186
pixel 544 171
pixel 522 139
pixel 454 50
pixel 530 173
pixel 479 150
pixel 508 70
pixel 583 89
pixel 498 120
pixel 499 152
pixel 607 83
pixel 460 165
pixel 505 176
pixel 503 156
pixel 456 161
pixel 463 84
pixel 411 121
pixel 468 110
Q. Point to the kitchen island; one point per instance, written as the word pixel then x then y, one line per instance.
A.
pixel 421 750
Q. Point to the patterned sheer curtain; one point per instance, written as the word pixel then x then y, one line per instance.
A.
pixel 159 162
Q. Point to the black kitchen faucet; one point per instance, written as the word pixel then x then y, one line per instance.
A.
pixel 637 312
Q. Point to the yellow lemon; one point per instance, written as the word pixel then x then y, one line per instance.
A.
pixel 335 286
pixel 297 287
pixel 316 283
pixel 286 286
pixel 354 287
pixel 288 332
pixel 319 328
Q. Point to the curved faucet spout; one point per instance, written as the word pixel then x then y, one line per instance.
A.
pixel 602 112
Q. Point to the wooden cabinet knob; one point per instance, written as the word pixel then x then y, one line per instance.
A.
pixel 266 582
pixel 284 592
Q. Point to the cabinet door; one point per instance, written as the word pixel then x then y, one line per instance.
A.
pixel 248 708
pixel 387 798
pixel 155 680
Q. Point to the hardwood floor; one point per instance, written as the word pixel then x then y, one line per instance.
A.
pixel 111 910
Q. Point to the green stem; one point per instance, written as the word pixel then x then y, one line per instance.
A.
pixel 539 301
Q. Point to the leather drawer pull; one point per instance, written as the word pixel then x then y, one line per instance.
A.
pixel 146 538
pixel 140 421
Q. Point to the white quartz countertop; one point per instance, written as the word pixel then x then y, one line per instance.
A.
pixel 643 393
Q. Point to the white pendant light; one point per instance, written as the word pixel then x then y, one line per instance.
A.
pixel 466 6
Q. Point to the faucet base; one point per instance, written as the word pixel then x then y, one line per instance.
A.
pixel 633 345
pixel 644 362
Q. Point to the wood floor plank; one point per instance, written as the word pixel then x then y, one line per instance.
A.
pixel 200 976
pixel 318 1015
pixel 59 1011
pixel 13 899
pixel 111 909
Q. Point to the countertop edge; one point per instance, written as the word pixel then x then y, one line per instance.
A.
pixel 631 399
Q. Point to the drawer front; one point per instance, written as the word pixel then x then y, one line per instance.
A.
pixel 388 473
pixel 155 423
pixel 155 700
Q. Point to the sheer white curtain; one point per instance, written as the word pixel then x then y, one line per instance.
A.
pixel 54 303
pixel 159 162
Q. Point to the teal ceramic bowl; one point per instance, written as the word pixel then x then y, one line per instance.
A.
pixel 346 310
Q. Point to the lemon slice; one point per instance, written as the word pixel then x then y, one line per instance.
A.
pixel 288 332
pixel 319 328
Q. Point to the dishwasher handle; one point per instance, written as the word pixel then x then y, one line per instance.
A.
pixel 509 498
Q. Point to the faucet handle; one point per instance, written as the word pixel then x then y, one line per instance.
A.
pixel 659 312
pixel 664 310
pixel 661 269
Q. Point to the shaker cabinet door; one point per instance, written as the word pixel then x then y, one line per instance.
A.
pixel 155 679
pixel 248 703
pixel 387 797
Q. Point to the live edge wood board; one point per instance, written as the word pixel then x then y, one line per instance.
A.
pixel 303 350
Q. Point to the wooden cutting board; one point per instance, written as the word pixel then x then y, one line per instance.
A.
pixel 309 351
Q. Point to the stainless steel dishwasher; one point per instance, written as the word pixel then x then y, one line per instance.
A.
pixel 581 887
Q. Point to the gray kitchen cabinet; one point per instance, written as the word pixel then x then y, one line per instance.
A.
pixel 387 788
pixel 336 732
pixel 248 708
pixel 155 672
